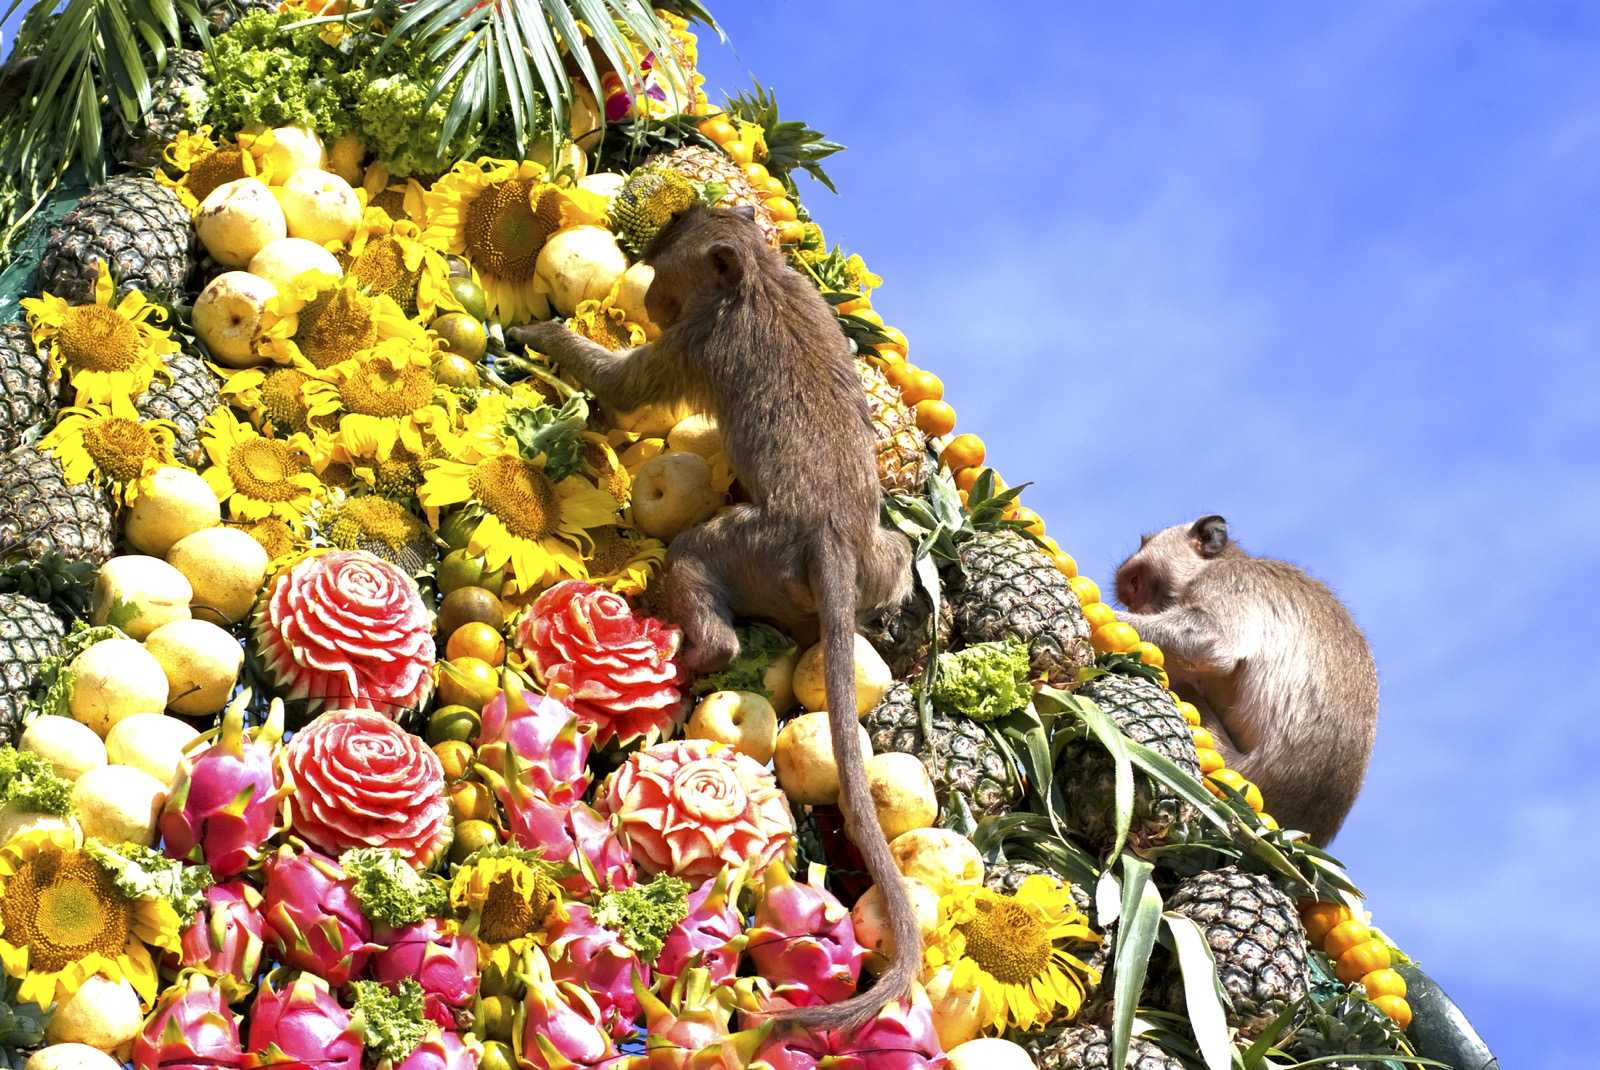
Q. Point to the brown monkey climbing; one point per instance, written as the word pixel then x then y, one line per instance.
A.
pixel 1281 674
pixel 751 341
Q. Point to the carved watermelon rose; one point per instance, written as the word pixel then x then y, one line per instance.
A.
pixel 346 629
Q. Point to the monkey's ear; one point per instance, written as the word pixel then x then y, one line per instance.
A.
pixel 1210 535
pixel 724 261
pixel 746 211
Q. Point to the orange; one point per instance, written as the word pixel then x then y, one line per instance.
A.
pixel 1086 589
pixel 1320 919
pixel 1066 564
pixel 967 478
pixel 475 639
pixel 739 152
pixel 890 351
pixel 924 386
pixel 870 314
pixel 1202 738
pixel 1191 713
pixel 791 232
pixel 456 757
pixel 963 451
pixel 471 801
pixel 1230 777
pixel 1384 982
pixel 1268 821
pixel 772 184
pixel 1151 654
pixel 782 209
pixel 900 377
pixel 1361 960
pixel 1398 1010
pixel 1114 638
pixel 1050 544
pixel 756 173
pixel 896 337
pixel 1344 936
pixel 1031 521
pixel 936 417
pixel 1210 760
pixel 719 130
pixel 467 681
pixel 1252 797
pixel 852 306
pixel 1098 613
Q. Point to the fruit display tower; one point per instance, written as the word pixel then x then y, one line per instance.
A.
pixel 343 721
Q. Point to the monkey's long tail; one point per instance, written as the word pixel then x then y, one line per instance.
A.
pixel 833 583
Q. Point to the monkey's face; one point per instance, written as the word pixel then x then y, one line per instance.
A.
pixel 1155 576
pixel 698 258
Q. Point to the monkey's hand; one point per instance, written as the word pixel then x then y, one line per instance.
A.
pixel 1188 635
pixel 547 336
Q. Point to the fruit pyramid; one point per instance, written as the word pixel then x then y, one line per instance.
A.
pixel 341 722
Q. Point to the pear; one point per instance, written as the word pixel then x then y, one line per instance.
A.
pixel 201 663
pixel 115 679
pixel 173 502
pixel 139 594
pixel 287 259
pixel 229 315
pixel 319 206
pixel 672 492
pixel 238 219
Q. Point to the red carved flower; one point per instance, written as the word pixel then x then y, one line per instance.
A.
pixel 360 780
pixel 619 669
pixel 347 629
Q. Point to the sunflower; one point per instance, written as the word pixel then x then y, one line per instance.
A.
pixel 273 398
pixel 600 461
pixel 386 397
pixel 604 323
pixel 1016 950
pixel 64 920
pixel 283 541
pixel 337 324
pixel 499 214
pixel 110 444
pixel 105 349
pixel 387 257
pixel 623 560
pixel 519 514
pixel 257 477
pixel 378 525
pixel 506 898
pixel 402 199
pixel 196 164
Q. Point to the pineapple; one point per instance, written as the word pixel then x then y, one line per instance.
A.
pixel 31 394
pixel 179 102
pixel 1257 938
pixel 963 757
pixel 705 165
pixel 1146 714
pixel 29 633
pixel 1006 586
pixel 903 459
pixel 220 15
pixel 1088 1047
pixel 41 513
pixel 1341 1020
pixel 137 227
pixel 186 401
pixel 902 635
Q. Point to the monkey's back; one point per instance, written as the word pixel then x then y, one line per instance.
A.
pixel 1304 694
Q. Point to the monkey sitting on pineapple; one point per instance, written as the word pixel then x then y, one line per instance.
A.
pixel 1280 672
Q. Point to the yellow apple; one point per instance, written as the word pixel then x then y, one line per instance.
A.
pixel 743 720
pixel 672 492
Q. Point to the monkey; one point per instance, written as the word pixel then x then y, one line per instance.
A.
pixel 1283 677
pixel 751 341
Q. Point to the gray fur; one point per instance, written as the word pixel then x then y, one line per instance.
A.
pixel 1283 677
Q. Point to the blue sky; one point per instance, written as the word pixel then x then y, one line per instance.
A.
pixel 1332 271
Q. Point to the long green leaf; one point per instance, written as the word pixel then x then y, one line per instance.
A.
pixel 1104 729
pixel 1136 937
pixel 1202 994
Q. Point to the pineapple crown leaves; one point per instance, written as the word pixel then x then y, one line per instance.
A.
pixel 22 1023
pixel 937 522
pixel 790 143
pixel 141 872
pixel 1121 665
pixel 544 432
pixel 392 1022
pixel 52 579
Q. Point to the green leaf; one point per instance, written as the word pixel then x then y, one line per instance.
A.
pixel 1202 993
pixel 1136 937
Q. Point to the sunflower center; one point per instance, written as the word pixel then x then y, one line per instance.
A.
pixel 509 912
pixel 119 447
pixel 378 388
pixel 607 327
pixel 505 229
pixel 62 907
pixel 613 477
pixel 335 326
pixel 397 476
pixel 381 268
pixel 611 553
pixel 373 518
pixel 1008 940
pixel 392 201
pixel 98 338
pixel 274 535
pixel 281 400
pixel 264 469
pixel 212 170
pixel 519 494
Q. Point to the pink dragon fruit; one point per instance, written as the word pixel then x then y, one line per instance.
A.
pixel 803 941
pixel 436 954
pixel 228 798
pixel 313 917
pixel 595 958
pixel 441 1050
pixel 689 1029
pixel 298 1025
pixel 191 1029
pixel 561 1024
pixel 226 936
pixel 576 834
pixel 545 734
pixel 704 936
pixel 901 1037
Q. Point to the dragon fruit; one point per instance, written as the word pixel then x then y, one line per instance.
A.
pixel 436 954
pixel 704 936
pixel 803 940
pixel 561 1023
pixel 546 736
pixel 901 1037
pixel 227 934
pixel 689 1029
pixel 228 798
pixel 595 958
pixel 313 917
pixel 298 1025
pixel 191 1029
pixel 576 834
pixel 441 1050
